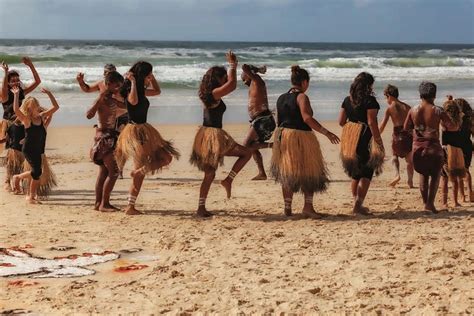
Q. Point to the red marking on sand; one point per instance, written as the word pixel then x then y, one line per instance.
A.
pixel 132 267
pixel 85 254
pixel 7 265
pixel 22 283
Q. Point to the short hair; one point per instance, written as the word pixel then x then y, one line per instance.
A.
pixel 110 67
pixel 391 91
pixel 427 90
pixel 113 77
pixel 298 75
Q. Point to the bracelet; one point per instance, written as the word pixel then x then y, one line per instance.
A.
pixel 233 66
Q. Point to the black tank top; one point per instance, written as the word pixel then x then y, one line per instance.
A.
pixel 289 114
pixel 138 113
pixel 15 134
pixel 8 112
pixel 35 139
pixel 453 138
pixel 212 117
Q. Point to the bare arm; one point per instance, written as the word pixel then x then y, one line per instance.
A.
pixel 132 97
pixel 342 117
pixel 155 87
pixel 385 120
pixel 95 107
pixel 4 91
pixel 16 108
pixel 27 61
pixel 231 83
pixel 250 71
pixel 374 127
pixel 409 125
pixel 307 114
pixel 84 86
pixel 447 123
pixel 48 114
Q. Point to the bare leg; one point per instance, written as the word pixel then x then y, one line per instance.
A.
pixel 469 185
pixel 424 181
pixel 288 198
pixel 433 189
pixel 99 186
pixel 455 192
pixel 354 185
pixel 252 144
pixel 362 190
pixel 410 169
pixel 461 189
pixel 244 155
pixel 137 180
pixel 31 198
pixel 396 164
pixel 209 176
pixel 444 184
pixel 308 209
pixel 112 175
pixel 16 180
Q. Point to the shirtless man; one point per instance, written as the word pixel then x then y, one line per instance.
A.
pixel 108 108
pixel 402 140
pixel 428 156
pixel 261 119
pixel 100 86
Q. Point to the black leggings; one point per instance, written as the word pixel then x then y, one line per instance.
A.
pixel 34 159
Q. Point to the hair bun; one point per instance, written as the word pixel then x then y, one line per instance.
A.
pixel 295 68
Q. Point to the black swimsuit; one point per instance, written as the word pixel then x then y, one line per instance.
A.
pixel 289 114
pixel 137 114
pixel 33 148
pixel 212 117
pixel 8 112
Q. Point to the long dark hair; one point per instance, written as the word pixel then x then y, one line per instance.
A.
pixel 361 88
pixel 140 70
pixel 298 75
pixel 209 82
pixel 467 110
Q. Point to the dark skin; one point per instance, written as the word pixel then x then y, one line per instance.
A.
pixel 258 103
pixel 108 108
pixel 227 85
pixel 397 111
pixel 360 187
pixel 427 116
pixel 15 80
pixel 307 114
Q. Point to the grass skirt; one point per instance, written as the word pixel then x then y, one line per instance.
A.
pixel 4 124
pixel 297 162
pixel 144 144
pixel 455 162
pixel 210 146
pixel 377 155
pixel 13 162
pixel 47 179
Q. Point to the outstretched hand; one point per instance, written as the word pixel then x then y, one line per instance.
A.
pixel 231 58
pixel 80 77
pixel 4 66
pixel 333 138
pixel 46 91
pixel 27 61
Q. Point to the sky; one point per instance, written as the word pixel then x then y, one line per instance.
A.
pixel 367 21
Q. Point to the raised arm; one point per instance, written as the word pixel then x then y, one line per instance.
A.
pixel 155 87
pixel 16 107
pixel 251 71
pixel 132 97
pixel 27 61
pixel 84 86
pixel 385 121
pixel 48 114
pixel 231 83
pixel 4 91
pixel 374 127
pixel 307 114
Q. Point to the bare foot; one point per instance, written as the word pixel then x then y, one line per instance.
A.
pixel 202 212
pixel 260 177
pixel 431 208
pixel 311 213
pixel 288 212
pixel 410 184
pixel 466 199
pixel 361 210
pixel 227 184
pixel 96 206
pixel 7 187
pixel 121 174
pixel 108 208
pixel 15 185
pixel 394 182
pixel 457 204
pixel 131 210
pixel 32 201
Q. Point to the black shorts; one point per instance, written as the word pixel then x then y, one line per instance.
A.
pixel 264 125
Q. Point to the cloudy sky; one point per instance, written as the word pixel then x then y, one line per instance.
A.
pixel 412 21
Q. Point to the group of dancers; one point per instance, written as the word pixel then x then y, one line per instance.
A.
pixel 297 162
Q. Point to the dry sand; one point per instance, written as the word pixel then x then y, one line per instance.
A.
pixel 249 258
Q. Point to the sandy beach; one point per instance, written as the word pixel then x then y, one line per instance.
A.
pixel 249 258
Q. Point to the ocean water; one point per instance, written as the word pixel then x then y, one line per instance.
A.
pixel 179 67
